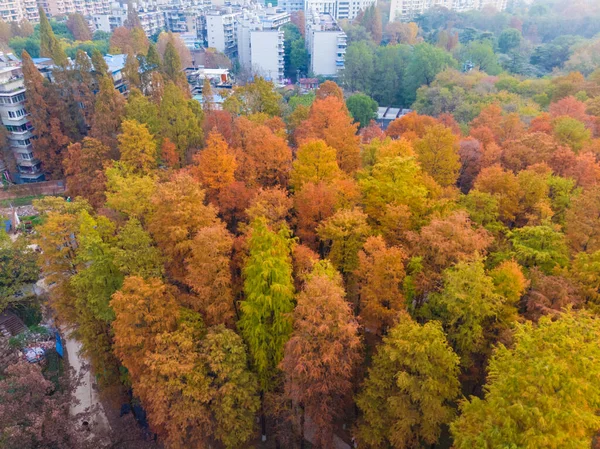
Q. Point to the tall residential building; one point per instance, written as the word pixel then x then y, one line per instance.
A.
pixel 20 161
pixel 338 9
pixel 326 44
pixel 221 30
pixel 16 120
pixel 408 10
pixel 152 21
pixel 260 42
pixel 84 7
pixel 17 10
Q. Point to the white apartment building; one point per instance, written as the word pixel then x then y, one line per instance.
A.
pixel 408 10
pixel 221 30
pixel 260 42
pixel 338 9
pixel 16 120
pixel 326 44
pixel 152 22
pixel 17 10
pixel 84 7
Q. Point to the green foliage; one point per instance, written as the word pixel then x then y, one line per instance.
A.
pixel 539 246
pixel 296 56
pixel 425 63
pixel 509 40
pixel 571 132
pixel 18 268
pixel 134 252
pixel 265 322
pixel 408 394
pixel 540 394
pixel 362 108
pixel 467 306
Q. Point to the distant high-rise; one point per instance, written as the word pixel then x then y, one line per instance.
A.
pixel 407 10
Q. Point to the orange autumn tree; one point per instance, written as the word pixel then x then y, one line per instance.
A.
pixel 179 212
pixel 143 310
pixel 84 170
pixel 502 185
pixel 313 204
pixel 262 155
pixel 215 165
pixel 321 354
pixel 330 121
pixel 380 274
pixel 209 275
pixel 410 126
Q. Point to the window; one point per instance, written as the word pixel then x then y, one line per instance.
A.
pixel 17 114
pixel 26 156
pixel 18 98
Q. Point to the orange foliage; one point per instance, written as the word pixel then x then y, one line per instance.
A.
pixel 410 123
pixel 313 204
pixel 380 274
pixel 373 131
pixel 209 276
pixel 215 165
pixel 262 156
pixel 504 186
pixel 168 153
pixel 329 89
pixel 179 212
pixel 329 120
pixel 220 121
pixel 542 124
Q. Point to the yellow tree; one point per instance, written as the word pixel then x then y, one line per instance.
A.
pixel 315 162
pixel 437 153
pixel 179 212
pixel 137 147
pixel 411 386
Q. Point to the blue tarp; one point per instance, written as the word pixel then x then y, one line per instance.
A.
pixel 59 346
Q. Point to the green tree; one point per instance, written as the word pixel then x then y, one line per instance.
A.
pixel 18 268
pixel 171 65
pixel 510 39
pixel 142 110
pixel 467 307
pixel 482 56
pixel 540 394
pixel 571 132
pixel 358 67
pixel 50 46
pixel 179 122
pixel 345 233
pixel 362 108
pixel 410 388
pixel 234 397
pixel 539 246
pixel 134 252
pixel 389 71
pixel 426 61
pixel 258 96
pixel 265 320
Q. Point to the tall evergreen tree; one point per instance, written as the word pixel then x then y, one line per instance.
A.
pixel 50 46
pixel 269 293
pixel 109 109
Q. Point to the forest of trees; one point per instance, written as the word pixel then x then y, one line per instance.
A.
pixel 289 269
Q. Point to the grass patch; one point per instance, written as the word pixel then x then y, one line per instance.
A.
pixel 22 201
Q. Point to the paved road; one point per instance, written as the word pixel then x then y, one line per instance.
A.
pixel 86 395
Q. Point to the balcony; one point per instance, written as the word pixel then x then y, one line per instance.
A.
pixel 12 85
